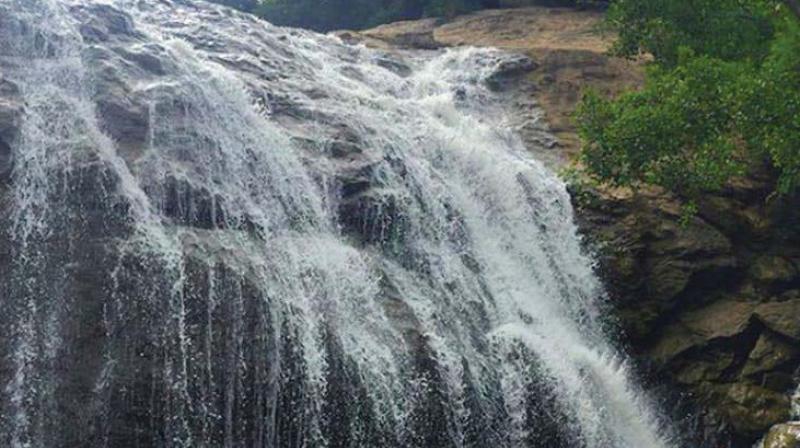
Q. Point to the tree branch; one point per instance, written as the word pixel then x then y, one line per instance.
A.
pixel 794 6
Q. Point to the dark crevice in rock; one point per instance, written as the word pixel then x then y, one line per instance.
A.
pixel 550 425
pixel 486 415
pixel 432 406
pixel 349 420
pixel 5 162
pixel 192 206
pixel 741 345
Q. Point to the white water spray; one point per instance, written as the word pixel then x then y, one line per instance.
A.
pixel 276 239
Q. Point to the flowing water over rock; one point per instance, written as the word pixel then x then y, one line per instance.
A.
pixel 216 232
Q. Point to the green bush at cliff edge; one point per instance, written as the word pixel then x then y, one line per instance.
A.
pixel 722 96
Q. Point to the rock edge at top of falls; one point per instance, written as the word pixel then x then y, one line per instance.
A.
pixel 565 44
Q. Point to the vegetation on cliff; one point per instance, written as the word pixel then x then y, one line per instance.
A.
pixel 722 95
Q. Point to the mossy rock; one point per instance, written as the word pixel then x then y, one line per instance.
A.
pixel 770 353
pixel 752 409
pixel 770 271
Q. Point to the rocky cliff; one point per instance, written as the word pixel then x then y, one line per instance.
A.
pixel 709 305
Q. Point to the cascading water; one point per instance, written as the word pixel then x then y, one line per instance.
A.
pixel 222 233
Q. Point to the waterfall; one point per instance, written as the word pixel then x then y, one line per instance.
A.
pixel 222 233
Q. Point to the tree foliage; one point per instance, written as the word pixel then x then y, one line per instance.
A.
pixel 726 29
pixel 722 95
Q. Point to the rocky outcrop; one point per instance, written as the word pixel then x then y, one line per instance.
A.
pixel 783 436
pixel 709 302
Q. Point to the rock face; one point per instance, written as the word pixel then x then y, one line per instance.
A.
pixel 783 436
pixel 710 303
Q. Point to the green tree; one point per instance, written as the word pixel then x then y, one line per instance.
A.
pixel 726 29
pixel 722 95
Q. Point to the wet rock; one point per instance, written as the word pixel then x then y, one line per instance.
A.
pixel 728 318
pixel 417 40
pixel 368 210
pixel 432 402
pixel 345 143
pixel 651 261
pixel 773 272
pixel 771 353
pixel 508 70
pixel 418 35
pixel 550 425
pixel 191 205
pixel 733 362
pixel 781 317
pixel 393 65
pixel 785 435
pixel 355 180
pixel 753 409
pixel 401 315
pixel 10 120
pixel 347 402
pixel 145 57
pixel 104 22
pixel 6 162
pixel 696 328
pixel 122 114
pixel 348 37
pixel 374 216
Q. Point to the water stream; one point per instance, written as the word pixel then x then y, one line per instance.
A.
pixel 224 233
